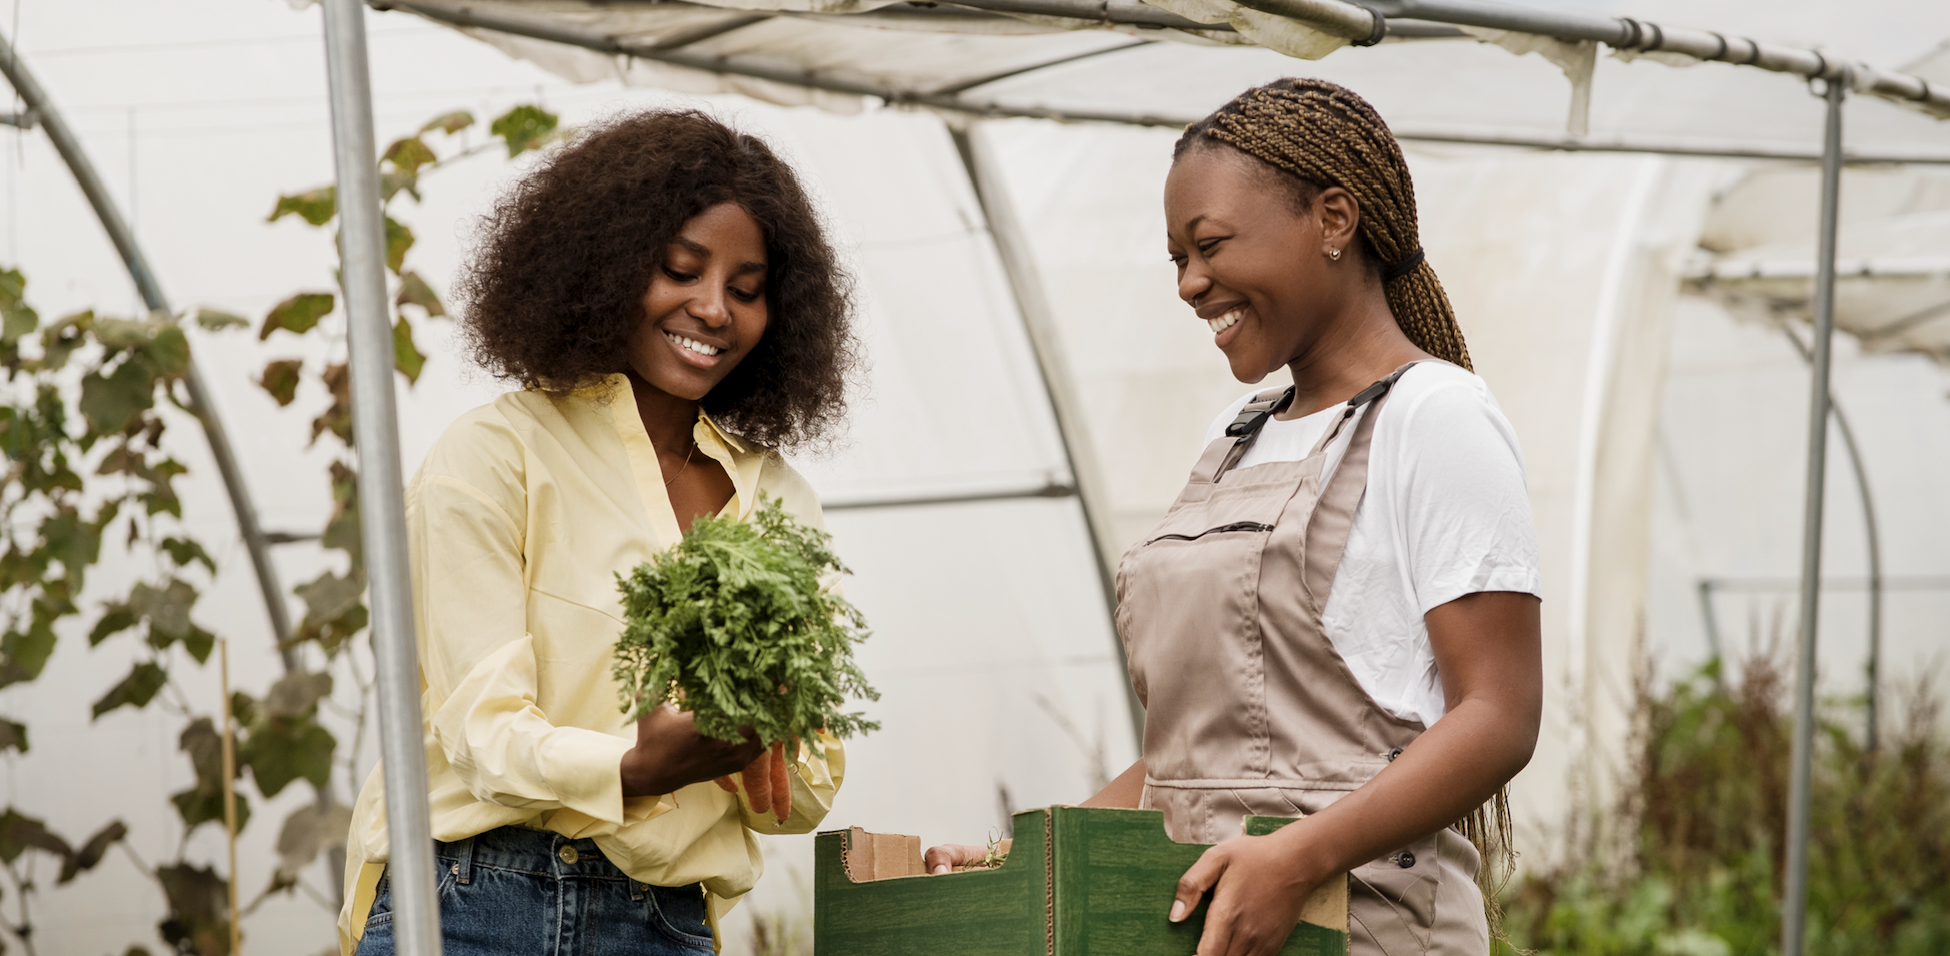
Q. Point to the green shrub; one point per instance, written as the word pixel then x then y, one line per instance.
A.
pixel 1706 812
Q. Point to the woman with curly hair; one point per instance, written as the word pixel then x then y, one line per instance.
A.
pixel 664 294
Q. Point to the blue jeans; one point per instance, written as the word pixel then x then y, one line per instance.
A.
pixel 515 890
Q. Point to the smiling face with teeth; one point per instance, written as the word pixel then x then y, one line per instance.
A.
pixel 1253 260
pixel 706 307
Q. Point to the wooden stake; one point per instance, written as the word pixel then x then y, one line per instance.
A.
pixel 230 792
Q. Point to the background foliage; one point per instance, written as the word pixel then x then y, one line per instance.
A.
pixel 83 415
pixel 1702 824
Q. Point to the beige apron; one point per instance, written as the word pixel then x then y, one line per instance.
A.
pixel 1249 709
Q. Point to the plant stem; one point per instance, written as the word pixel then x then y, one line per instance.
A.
pixel 229 793
pixel 24 931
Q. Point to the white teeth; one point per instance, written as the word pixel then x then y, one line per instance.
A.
pixel 1225 321
pixel 692 344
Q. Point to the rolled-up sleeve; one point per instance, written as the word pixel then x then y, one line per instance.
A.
pixel 479 664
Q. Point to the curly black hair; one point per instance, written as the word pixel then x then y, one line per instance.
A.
pixel 556 282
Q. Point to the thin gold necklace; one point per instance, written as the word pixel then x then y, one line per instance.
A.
pixel 686 464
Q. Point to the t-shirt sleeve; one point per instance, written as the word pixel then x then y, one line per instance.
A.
pixel 1464 508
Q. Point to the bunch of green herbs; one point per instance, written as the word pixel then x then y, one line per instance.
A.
pixel 735 625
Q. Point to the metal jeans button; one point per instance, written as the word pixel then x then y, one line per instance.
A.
pixel 1405 860
pixel 569 854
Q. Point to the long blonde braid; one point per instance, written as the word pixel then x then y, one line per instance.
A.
pixel 1323 134
pixel 1327 135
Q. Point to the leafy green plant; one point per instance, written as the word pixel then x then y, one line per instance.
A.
pixel 734 623
pixel 83 405
pixel 1707 810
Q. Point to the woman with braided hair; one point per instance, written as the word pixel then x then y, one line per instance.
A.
pixel 1338 617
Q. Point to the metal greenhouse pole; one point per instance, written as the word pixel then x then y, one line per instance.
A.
pixel 1794 909
pixel 1039 319
pixel 41 109
pixel 382 499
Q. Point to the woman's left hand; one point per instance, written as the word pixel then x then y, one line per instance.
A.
pixel 1258 888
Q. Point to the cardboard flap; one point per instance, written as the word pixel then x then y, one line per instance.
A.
pixel 882 856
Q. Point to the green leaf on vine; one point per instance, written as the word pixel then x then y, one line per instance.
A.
pixel 17 318
pixel 60 339
pixel 199 906
pixel 13 736
pixel 167 608
pixel 342 532
pixel 183 551
pixel 407 356
pixel 398 240
pixel 135 690
pixel 337 418
pixel 198 643
pixel 19 833
pixel 200 742
pixel 315 206
pixel 169 352
pixel 29 650
pixel 296 694
pixel 110 401
pixel 281 750
pixel 116 618
pixel 91 852
pixel 73 542
pixel 414 290
pixel 524 128
pixel 309 830
pixel 281 379
pixel 243 708
pixel 216 321
pixel 330 595
pixel 198 808
pixel 392 182
pixel 449 123
pixel 408 154
pixel 297 314
pixel 122 334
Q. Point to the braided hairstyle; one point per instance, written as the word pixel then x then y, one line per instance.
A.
pixel 1321 134
pixel 1314 134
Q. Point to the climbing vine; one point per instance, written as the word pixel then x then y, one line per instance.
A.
pixel 83 415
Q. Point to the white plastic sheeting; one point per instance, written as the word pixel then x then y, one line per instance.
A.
pixel 1483 89
pixel 1892 259
pixel 992 645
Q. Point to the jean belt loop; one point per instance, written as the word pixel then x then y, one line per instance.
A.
pixel 638 889
pixel 464 855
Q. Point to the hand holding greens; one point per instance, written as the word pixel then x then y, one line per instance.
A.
pixel 733 625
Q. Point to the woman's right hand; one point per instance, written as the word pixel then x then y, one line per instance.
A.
pixel 1124 791
pixel 944 858
pixel 670 754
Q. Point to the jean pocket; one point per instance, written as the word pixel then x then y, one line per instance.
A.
pixel 678 913
pixel 381 912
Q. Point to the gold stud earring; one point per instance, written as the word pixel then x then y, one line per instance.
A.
pixel 1334 254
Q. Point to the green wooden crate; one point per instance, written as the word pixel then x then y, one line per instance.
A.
pixel 1078 882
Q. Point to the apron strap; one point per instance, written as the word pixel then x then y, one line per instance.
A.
pixel 1220 456
pixel 1333 513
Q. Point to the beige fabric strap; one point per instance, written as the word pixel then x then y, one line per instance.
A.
pixel 1221 455
pixel 1333 515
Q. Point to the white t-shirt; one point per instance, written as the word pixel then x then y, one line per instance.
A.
pixel 1446 514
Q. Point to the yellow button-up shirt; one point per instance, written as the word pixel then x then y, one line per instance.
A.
pixel 519 520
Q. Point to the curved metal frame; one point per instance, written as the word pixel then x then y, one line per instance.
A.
pixel 42 109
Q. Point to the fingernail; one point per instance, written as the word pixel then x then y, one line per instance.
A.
pixel 1177 910
pixel 943 868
